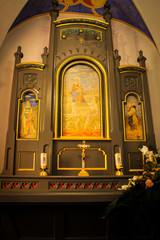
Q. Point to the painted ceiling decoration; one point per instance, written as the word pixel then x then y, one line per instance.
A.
pixel 122 10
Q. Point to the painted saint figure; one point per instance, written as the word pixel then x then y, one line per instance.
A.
pixel 133 118
pixel 77 92
pixel 133 122
pixel 26 126
pixel 81 112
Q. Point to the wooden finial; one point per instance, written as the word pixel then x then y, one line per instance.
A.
pixel 107 14
pixel 117 57
pixel 141 59
pixel 18 55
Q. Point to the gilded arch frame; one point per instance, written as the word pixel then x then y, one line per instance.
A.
pixel 143 138
pixel 98 67
pixel 20 100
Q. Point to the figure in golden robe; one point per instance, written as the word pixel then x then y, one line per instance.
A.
pixel 133 118
pixel 26 123
pixel 135 125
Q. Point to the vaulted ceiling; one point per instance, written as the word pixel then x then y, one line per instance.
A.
pixel 140 14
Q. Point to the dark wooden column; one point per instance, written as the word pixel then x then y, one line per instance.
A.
pixel 117 59
pixel 46 128
pixel 147 105
pixel 115 126
pixel 11 133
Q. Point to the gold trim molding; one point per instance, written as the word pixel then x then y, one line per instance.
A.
pixel 143 122
pixel 19 162
pixel 84 21
pixel 30 65
pixel 131 68
pixel 18 117
pixel 134 170
pixel 77 148
pixel 95 64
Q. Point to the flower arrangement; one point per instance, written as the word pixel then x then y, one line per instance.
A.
pixel 151 173
pixel 140 200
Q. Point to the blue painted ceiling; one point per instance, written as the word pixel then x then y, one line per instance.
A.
pixel 123 10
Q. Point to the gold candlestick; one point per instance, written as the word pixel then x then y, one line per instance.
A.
pixel 43 164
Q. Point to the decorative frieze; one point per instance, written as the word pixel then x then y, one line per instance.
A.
pixel 84 186
pixel 98 23
pixel 43 184
pixel 81 34
pixel 30 65
pixel 131 68
pixel 11 185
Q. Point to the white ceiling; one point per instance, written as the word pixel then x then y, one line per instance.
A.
pixel 9 10
pixel 149 10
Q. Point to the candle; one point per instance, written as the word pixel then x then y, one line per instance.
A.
pixel 43 160
pixel 118 160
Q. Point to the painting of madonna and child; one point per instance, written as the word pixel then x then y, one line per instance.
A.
pixel 28 117
pixel 133 116
pixel 81 109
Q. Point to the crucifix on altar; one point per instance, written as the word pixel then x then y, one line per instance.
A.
pixel 83 147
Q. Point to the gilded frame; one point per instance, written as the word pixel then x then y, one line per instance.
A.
pixel 30 66
pixel 135 170
pixel 81 21
pixel 81 29
pixel 95 149
pixel 62 69
pixel 143 122
pixel 62 88
pixel 18 117
pixel 19 162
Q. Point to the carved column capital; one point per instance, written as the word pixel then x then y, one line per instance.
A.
pixel 18 55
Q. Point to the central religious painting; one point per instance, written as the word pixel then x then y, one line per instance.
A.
pixel 81 109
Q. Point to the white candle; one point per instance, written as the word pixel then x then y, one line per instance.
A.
pixel 118 160
pixel 43 160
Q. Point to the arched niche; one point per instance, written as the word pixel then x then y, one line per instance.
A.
pixel 133 118
pixel 81 103
pixel 28 116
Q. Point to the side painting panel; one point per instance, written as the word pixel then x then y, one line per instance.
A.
pixel 28 116
pixel 133 118
pixel 81 113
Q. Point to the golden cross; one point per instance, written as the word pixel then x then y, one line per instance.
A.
pixel 81 40
pixel 83 146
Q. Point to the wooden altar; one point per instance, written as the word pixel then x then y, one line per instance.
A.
pixel 79 92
